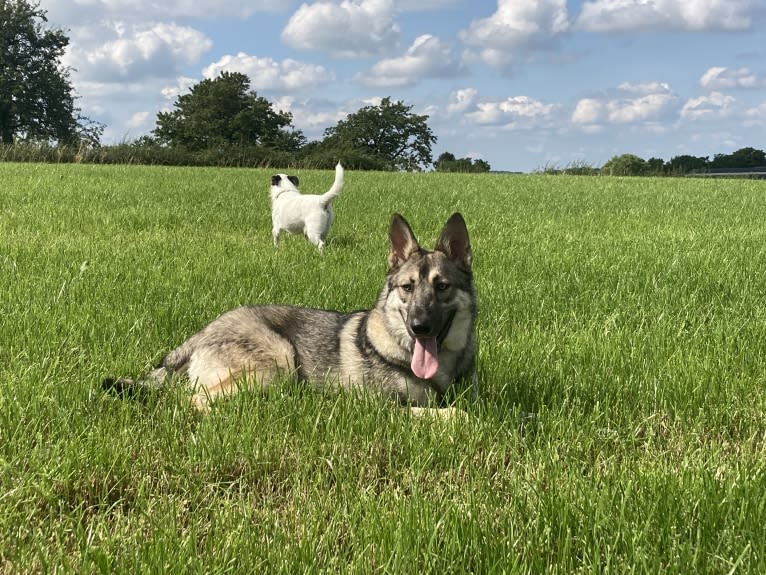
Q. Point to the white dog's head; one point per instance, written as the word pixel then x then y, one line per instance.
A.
pixel 285 182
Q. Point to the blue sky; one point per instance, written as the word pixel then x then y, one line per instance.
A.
pixel 520 84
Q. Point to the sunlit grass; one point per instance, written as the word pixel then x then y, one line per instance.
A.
pixel 620 425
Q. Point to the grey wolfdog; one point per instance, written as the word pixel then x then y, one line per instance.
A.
pixel 413 345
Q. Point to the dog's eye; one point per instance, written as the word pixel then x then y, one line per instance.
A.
pixel 442 286
pixel 408 287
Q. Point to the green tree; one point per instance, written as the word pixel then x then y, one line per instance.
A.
pixel 389 133
pixel 655 166
pixel 625 165
pixel 447 162
pixel 742 158
pixel 444 159
pixel 223 112
pixel 481 166
pixel 679 165
pixel 36 96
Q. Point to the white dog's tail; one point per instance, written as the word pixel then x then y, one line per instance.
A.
pixel 337 186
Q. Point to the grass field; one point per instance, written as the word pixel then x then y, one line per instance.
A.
pixel 621 425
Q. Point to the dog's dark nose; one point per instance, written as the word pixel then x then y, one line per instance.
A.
pixel 420 326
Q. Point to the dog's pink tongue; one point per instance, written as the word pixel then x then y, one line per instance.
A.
pixel 425 362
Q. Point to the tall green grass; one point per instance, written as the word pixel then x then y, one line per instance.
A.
pixel 621 425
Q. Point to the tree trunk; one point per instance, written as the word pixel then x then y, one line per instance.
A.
pixel 6 130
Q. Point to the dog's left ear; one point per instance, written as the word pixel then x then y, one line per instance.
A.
pixel 294 180
pixel 275 179
pixel 454 241
pixel 403 242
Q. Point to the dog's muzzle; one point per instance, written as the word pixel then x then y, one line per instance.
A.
pixel 422 327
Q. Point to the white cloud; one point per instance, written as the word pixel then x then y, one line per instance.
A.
pixel 311 116
pixel 128 109
pixel 648 101
pixel 645 88
pixel 756 116
pixel 718 78
pixel 588 112
pixel 284 104
pixel 349 29
pixel 374 101
pixel 632 110
pixel 428 57
pixel 268 74
pixel 656 127
pixel 514 112
pixel 716 105
pixel 182 86
pixel 461 100
pixel 95 91
pixel 423 5
pixel 140 120
pixel 591 128
pixel 135 52
pixel 514 30
pixel 653 15
pixel 75 12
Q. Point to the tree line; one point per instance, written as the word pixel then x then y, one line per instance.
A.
pixel 221 121
pixel 222 116
pixel 744 159
pixel 632 165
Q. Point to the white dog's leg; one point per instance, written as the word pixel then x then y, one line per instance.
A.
pixel 315 239
pixel 275 236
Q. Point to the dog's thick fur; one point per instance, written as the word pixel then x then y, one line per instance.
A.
pixel 413 345
pixel 310 215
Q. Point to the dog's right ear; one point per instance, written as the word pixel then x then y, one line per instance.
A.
pixel 294 180
pixel 403 241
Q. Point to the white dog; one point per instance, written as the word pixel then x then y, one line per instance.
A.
pixel 296 213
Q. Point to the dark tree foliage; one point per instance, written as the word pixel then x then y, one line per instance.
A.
pixel 481 166
pixel 447 162
pixel 223 112
pixel 625 165
pixel 630 165
pixel 742 158
pixel 389 134
pixel 36 95
pixel 655 166
pixel 679 165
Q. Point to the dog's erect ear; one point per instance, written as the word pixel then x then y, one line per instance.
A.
pixel 275 179
pixel 454 242
pixel 294 180
pixel 403 242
